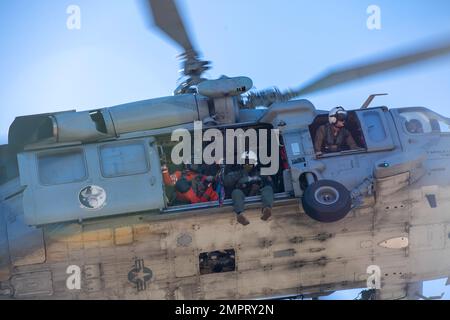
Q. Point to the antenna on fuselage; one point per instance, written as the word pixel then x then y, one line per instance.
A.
pixel 370 99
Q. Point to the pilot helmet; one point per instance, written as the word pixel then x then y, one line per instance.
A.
pixel 337 114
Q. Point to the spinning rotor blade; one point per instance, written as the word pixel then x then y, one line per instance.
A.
pixel 348 74
pixel 167 18
pixel 345 75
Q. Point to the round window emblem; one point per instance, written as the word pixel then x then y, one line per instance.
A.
pixel 92 197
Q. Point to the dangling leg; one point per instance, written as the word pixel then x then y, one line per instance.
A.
pixel 238 205
pixel 267 202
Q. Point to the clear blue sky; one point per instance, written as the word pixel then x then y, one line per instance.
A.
pixel 114 59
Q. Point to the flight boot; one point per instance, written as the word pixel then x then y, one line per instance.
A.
pixel 266 213
pixel 242 219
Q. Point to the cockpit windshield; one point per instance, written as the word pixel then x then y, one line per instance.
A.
pixel 423 121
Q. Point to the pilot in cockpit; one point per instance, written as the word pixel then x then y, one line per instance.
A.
pixel 414 126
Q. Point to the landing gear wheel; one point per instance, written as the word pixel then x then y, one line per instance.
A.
pixel 326 201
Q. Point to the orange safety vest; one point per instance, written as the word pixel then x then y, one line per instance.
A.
pixel 209 194
pixel 190 195
pixel 171 179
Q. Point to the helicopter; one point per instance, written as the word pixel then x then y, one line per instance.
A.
pixel 85 213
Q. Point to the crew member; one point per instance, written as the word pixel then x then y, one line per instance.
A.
pixel 191 186
pixel 414 126
pixel 246 180
pixel 333 136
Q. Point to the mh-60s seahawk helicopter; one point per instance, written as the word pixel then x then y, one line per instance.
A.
pixel 84 212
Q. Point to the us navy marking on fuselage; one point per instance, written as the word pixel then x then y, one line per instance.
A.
pixel 140 275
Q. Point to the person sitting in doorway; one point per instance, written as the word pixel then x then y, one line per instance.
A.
pixel 334 136
pixel 246 181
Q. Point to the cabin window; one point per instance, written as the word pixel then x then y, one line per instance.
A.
pixel 217 261
pixel 375 127
pixel 62 167
pixel 123 159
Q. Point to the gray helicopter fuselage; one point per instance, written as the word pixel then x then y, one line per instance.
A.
pixel 112 222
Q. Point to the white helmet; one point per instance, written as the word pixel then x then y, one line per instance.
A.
pixel 336 114
pixel 251 156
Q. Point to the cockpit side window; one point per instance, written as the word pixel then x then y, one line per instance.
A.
pixel 375 127
pixel 352 128
pixel 416 122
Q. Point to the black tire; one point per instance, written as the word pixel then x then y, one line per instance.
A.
pixel 336 201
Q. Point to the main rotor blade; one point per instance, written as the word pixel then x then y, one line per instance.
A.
pixel 167 18
pixel 349 74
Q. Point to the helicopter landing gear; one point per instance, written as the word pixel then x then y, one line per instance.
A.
pixel 326 201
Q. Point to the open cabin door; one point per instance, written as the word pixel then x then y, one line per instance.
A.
pixel 375 129
pixel 90 181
